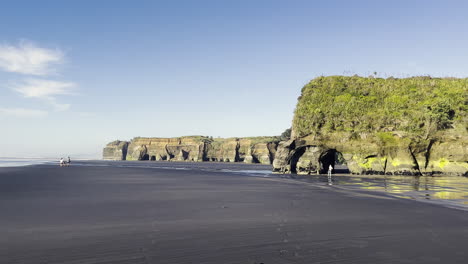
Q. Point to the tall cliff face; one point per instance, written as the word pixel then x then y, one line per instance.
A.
pixel 176 149
pixel 225 150
pixel 116 150
pixel 197 148
pixel 409 126
pixel 248 150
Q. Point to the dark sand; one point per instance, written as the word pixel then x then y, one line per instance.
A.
pixel 90 214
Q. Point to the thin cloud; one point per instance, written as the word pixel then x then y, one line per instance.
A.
pixel 40 88
pixel 46 90
pixel 26 58
pixel 22 112
pixel 59 106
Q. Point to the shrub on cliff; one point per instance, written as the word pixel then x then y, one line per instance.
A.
pixel 419 106
pixel 286 135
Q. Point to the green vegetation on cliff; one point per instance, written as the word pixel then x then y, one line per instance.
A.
pixel 409 126
pixel 417 106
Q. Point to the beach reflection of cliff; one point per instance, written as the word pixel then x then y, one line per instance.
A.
pixel 453 189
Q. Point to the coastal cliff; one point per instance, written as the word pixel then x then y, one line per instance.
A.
pixel 194 148
pixel 115 150
pixel 410 126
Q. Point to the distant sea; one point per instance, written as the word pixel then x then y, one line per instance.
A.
pixel 18 162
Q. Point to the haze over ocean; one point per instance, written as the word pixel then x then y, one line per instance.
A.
pixel 76 75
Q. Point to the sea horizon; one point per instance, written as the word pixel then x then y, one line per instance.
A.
pixel 27 161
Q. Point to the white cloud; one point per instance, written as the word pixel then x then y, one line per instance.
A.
pixel 22 112
pixel 46 90
pixel 26 58
pixel 39 88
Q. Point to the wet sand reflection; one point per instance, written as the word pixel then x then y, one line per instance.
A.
pixel 448 190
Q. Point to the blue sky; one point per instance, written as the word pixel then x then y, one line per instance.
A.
pixel 74 76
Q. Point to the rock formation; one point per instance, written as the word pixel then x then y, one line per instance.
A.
pixel 116 150
pixel 410 126
pixel 176 149
pixel 194 148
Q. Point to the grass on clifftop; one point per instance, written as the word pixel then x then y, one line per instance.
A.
pixel 420 106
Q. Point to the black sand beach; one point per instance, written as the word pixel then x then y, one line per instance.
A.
pixel 109 214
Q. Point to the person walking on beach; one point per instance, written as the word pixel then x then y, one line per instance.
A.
pixel 330 168
pixel 68 161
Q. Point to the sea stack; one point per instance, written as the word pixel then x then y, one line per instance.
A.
pixel 409 126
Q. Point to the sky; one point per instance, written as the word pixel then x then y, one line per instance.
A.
pixel 75 75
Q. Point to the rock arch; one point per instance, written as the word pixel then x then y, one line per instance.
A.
pixel 295 158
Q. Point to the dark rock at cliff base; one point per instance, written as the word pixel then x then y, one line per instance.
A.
pixel 411 126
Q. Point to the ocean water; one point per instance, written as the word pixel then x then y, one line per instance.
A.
pixel 18 162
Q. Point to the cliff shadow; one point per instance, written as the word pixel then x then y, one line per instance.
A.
pixel 184 154
pixel 145 157
pixel 255 159
pixel 124 151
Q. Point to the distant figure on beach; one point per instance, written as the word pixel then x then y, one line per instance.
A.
pixel 68 161
pixel 330 168
pixel 62 162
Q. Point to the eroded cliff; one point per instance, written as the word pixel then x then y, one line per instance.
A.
pixel 115 150
pixel 195 148
pixel 408 126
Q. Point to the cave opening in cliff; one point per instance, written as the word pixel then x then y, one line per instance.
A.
pixel 153 158
pixel 295 158
pixel 185 154
pixel 145 157
pixel 326 159
pixel 334 158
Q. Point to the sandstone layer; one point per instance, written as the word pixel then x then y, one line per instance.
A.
pixel 195 148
